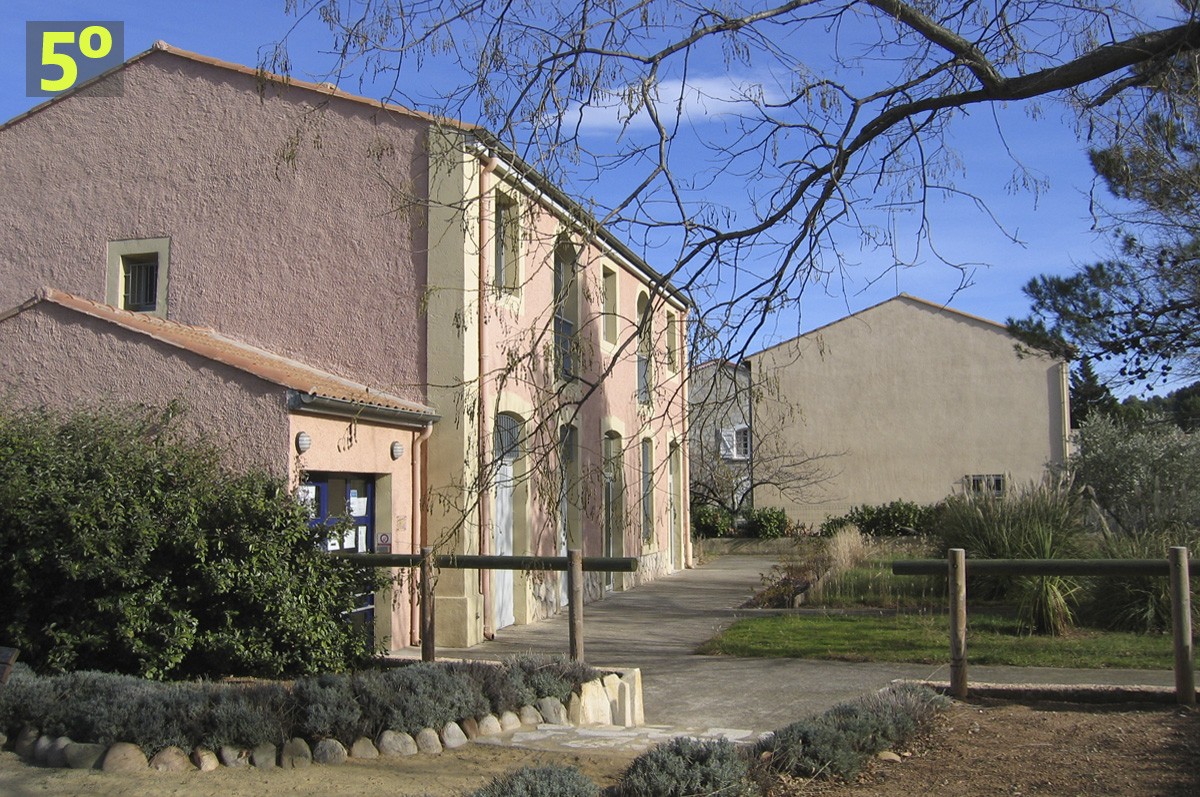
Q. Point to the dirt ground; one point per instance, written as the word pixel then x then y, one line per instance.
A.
pixel 981 749
pixel 991 748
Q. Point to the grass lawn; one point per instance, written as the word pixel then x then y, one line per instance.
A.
pixel 925 639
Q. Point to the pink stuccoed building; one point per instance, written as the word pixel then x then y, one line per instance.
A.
pixel 389 309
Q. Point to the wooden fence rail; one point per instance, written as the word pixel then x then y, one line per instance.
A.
pixel 958 568
pixel 574 564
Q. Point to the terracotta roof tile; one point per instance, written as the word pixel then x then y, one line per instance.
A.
pixel 212 345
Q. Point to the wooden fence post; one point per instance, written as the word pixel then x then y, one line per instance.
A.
pixel 1181 621
pixel 575 599
pixel 956 561
pixel 427 641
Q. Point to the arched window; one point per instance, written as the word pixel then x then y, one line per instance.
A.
pixel 644 348
pixel 566 310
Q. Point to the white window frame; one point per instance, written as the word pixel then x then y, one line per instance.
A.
pixel 733 442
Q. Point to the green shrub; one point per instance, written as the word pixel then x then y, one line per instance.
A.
pixel 711 521
pixel 1041 521
pixel 1136 603
pixel 326 707
pixel 897 519
pixel 429 696
pixel 504 685
pixel 839 741
pixel 27 699
pixel 553 676
pixel 248 715
pixel 767 523
pixel 685 767
pixel 187 569
pixel 549 781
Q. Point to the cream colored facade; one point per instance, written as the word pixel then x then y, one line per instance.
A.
pixel 917 401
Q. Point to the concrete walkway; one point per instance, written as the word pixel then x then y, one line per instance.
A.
pixel 657 626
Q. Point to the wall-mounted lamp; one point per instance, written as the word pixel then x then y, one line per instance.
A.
pixel 303 442
pixel 397 449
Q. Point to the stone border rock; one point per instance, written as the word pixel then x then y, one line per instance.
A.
pixel 614 700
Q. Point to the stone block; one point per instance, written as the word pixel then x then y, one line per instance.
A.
pixel 634 679
pixel 125 757
pixel 295 754
pixel 329 751
pixel 171 759
pixel 56 756
pixel 81 755
pixel 264 756
pixel 204 759
pixel 470 727
pixel 41 749
pixel 594 706
pixel 553 711
pixel 395 743
pixel 490 726
pixel 363 748
pixel 428 742
pixel 623 706
pixel 453 736
pixel 531 716
pixel 509 721
pixel 233 757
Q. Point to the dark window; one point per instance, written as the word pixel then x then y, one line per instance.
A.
pixel 141 282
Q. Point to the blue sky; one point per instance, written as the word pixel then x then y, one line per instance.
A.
pixel 1054 228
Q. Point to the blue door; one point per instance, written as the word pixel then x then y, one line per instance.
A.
pixel 338 496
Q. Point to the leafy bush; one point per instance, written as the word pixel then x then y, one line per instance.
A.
pixel 711 521
pixel 685 767
pixel 549 781
pixel 767 523
pixel 1041 521
pixel 897 519
pixel 1146 478
pixel 840 740
pixel 154 560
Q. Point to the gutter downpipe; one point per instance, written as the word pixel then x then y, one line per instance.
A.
pixel 417 527
pixel 485 576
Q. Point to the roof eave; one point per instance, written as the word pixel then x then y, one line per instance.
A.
pixel 299 401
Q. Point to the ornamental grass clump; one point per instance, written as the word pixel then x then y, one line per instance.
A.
pixel 549 781
pixel 685 767
pixel 1041 521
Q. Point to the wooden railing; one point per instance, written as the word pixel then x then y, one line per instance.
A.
pixel 574 564
pixel 957 568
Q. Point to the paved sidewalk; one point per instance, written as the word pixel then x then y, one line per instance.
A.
pixel 657 626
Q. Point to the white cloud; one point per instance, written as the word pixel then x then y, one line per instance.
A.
pixel 694 102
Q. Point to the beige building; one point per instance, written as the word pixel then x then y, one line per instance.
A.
pixel 917 401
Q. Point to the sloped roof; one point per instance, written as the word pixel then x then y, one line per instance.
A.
pixel 482 135
pixel 995 325
pixel 314 386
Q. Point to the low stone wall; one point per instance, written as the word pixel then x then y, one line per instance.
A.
pixel 615 699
